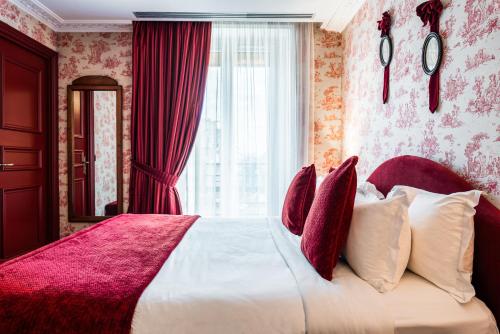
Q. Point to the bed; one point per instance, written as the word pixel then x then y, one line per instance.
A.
pixel 228 275
pixel 249 276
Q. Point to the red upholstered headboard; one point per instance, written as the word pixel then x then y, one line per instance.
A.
pixel 429 175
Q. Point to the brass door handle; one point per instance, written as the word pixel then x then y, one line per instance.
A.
pixel 84 164
pixel 7 165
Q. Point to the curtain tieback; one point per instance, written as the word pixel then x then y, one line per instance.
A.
pixel 156 174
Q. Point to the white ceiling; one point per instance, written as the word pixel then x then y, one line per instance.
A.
pixel 106 15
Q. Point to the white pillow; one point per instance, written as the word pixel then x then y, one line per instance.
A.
pixel 319 179
pixel 442 232
pixel 367 191
pixel 379 241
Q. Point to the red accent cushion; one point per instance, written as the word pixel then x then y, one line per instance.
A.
pixel 327 225
pixel 298 199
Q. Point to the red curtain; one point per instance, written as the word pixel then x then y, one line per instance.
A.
pixel 170 65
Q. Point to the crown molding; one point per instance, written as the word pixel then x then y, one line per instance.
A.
pixel 343 13
pixel 40 12
pixel 96 26
pixel 45 15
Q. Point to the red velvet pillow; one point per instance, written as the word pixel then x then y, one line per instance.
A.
pixel 327 225
pixel 298 199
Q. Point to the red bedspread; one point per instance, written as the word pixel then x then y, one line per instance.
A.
pixel 91 281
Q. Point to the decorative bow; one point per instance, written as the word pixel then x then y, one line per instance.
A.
pixel 429 12
pixel 384 25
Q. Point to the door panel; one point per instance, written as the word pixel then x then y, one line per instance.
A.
pixel 23 159
pixel 21 96
pixel 79 196
pixel 22 220
pixel 23 151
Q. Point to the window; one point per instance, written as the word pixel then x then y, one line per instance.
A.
pixel 250 140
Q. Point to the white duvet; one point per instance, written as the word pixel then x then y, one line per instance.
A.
pixel 249 276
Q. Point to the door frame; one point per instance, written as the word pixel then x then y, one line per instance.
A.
pixel 51 58
pixel 89 105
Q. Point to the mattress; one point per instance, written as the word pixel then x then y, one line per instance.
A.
pixel 249 276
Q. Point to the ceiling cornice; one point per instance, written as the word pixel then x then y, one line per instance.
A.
pixel 96 26
pixel 42 13
pixel 343 13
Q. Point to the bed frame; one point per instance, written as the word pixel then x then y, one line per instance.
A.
pixel 429 175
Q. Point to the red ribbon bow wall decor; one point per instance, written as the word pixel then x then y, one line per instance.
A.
pixel 384 26
pixel 429 13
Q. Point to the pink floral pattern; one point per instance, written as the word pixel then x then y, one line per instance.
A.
pixel 327 141
pixel 16 18
pixel 92 54
pixel 349 117
pixel 463 133
pixel 105 149
pixel 481 20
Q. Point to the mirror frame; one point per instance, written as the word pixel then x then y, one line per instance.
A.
pixel 427 70
pixel 385 62
pixel 97 83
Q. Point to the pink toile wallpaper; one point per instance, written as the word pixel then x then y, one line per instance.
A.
pixel 92 54
pixel 327 145
pixel 16 18
pixel 464 133
pixel 349 117
pixel 105 149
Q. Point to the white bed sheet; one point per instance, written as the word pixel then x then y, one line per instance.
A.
pixel 249 276
pixel 419 306
pixel 245 276
pixel 347 304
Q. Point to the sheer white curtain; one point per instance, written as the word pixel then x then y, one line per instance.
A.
pixel 253 133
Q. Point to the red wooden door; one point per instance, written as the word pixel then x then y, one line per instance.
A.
pixel 23 150
pixel 83 154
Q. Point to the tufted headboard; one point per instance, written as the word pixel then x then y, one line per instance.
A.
pixel 431 176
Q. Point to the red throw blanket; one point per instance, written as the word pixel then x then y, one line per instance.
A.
pixel 91 281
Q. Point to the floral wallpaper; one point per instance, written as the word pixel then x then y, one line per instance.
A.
pixel 328 126
pixel 464 133
pixel 105 149
pixel 16 18
pixel 92 54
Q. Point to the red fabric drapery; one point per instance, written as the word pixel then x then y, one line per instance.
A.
pixel 429 12
pixel 170 66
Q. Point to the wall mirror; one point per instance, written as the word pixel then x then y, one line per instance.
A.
pixel 94 149
pixel 432 52
pixel 385 51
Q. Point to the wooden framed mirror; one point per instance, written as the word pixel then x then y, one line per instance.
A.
pixel 95 166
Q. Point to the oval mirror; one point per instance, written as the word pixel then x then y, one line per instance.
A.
pixel 385 51
pixel 432 53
